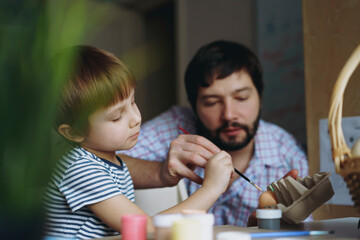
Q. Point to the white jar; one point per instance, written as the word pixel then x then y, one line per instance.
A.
pixel 206 221
pixel 163 224
pixel 186 229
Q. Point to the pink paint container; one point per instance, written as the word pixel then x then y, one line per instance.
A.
pixel 133 227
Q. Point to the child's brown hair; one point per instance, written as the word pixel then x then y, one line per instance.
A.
pixel 99 79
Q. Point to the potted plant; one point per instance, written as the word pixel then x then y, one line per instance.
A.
pixel 32 32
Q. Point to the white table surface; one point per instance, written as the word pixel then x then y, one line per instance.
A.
pixel 344 228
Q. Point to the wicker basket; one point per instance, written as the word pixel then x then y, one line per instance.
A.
pixel 347 164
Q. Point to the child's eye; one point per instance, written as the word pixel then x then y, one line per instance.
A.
pixel 116 119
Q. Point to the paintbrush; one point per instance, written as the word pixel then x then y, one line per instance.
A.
pixel 237 171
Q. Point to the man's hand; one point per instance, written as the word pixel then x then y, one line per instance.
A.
pixel 293 173
pixel 252 221
pixel 185 154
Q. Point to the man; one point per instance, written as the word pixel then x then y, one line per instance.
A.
pixel 224 87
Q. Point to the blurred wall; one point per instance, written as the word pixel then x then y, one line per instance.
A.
pixel 141 33
pixel 157 39
pixel 203 21
pixel 279 34
pixel 331 34
pixel 143 37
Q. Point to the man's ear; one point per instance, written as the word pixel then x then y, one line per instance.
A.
pixel 68 132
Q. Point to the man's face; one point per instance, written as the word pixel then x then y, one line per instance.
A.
pixel 228 111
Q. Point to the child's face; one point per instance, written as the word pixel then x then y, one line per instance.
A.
pixel 113 128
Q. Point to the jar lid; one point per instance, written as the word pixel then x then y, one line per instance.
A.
pixel 165 220
pixel 205 218
pixel 233 236
pixel 268 213
pixel 192 211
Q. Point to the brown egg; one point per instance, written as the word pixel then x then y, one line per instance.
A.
pixel 267 199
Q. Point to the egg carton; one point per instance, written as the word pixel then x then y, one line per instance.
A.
pixel 298 198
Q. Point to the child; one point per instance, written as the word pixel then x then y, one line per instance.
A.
pixel 91 187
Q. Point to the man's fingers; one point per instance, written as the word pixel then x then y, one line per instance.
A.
pixel 188 152
pixel 186 172
pixel 292 173
pixel 198 150
pixel 200 141
pixel 186 157
pixel 184 169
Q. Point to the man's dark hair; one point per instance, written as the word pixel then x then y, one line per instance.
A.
pixel 218 60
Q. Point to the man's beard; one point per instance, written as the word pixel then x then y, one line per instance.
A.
pixel 232 144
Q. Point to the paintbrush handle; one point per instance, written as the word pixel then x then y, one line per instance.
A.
pixel 244 177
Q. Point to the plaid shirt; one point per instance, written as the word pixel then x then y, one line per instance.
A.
pixel 276 153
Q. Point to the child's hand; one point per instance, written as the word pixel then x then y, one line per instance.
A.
pixel 218 172
pixel 186 153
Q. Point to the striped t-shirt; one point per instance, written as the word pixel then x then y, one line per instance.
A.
pixel 81 178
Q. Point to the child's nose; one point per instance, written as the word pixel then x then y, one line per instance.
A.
pixel 135 117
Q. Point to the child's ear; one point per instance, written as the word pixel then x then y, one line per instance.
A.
pixel 68 132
